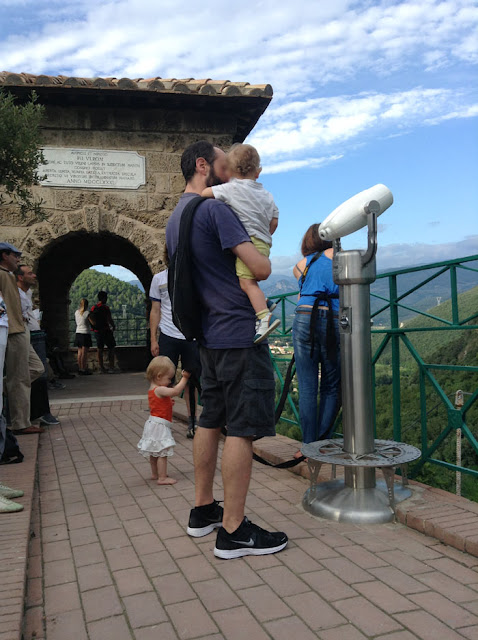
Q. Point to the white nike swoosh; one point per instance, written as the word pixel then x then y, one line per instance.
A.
pixel 245 543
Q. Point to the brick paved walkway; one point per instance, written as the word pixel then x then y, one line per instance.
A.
pixel 110 558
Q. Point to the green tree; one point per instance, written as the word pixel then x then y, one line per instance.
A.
pixel 20 153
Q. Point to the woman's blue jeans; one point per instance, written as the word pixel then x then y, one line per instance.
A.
pixel 316 424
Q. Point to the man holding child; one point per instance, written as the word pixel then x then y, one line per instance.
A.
pixel 238 387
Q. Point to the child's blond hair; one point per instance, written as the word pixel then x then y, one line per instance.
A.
pixel 159 366
pixel 243 159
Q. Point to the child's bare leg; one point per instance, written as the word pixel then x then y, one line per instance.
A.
pixel 163 472
pixel 153 461
pixel 254 293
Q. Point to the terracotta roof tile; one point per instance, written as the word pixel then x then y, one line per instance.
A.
pixel 185 85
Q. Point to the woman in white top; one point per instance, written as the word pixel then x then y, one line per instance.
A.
pixel 83 337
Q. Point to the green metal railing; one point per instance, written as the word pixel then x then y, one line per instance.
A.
pixel 395 335
pixel 129 331
pixel 398 335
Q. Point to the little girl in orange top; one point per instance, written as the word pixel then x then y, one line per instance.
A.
pixel 157 441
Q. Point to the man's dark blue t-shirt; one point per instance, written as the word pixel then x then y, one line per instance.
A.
pixel 228 319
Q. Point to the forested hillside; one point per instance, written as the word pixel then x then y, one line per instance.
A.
pixel 429 342
pixel 120 293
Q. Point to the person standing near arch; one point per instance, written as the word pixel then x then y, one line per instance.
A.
pixel 103 326
pixel 39 402
pixel 22 364
pixel 171 341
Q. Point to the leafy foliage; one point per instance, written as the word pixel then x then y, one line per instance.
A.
pixel 131 326
pixel 20 153
pixel 438 348
pixel 120 293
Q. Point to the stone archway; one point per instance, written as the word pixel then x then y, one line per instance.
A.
pixel 65 257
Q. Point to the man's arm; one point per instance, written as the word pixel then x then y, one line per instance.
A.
pixel 274 223
pixel 259 265
pixel 110 320
pixel 154 318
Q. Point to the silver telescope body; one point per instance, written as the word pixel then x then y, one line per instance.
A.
pixel 353 214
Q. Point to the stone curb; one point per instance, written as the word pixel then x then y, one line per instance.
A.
pixel 14 539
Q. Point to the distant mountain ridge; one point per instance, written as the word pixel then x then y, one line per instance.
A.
pixel 122 296
pixel 426 297
pixel 136 283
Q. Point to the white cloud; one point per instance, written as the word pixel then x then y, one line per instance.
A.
pixel 299 48
pixel 319 123
pixel 293 165
pixel 293 46
pixel 282 265
pixel 397 256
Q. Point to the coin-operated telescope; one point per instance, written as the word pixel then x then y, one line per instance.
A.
pixel 358 498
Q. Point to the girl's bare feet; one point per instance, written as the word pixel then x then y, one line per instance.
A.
pixel 154 476
pixel 166 480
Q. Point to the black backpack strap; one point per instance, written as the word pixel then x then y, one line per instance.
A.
pixel 182 254
pixel 282 465
pixel 285 389
pixel 306 270
pixel 194 383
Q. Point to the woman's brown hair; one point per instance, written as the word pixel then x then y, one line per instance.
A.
pixel 312 242
pixel 83 306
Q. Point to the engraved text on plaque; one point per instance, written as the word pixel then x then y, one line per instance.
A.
pixel 92 168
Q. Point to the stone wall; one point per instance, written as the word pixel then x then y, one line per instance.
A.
pixel 139 216
pixel 86 226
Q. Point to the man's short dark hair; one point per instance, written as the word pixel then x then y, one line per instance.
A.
pixel 19 270
pixel 201 149
pixel 102 296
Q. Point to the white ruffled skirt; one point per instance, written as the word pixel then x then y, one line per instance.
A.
pixel 157 439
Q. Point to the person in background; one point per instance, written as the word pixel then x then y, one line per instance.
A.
pixel 39 402
pixel 6 493
pixel 83 337
pixel 171 342
pixel 23 366
pixel 315 337
pixel 103 325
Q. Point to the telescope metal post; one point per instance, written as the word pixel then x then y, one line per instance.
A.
pixel 357 498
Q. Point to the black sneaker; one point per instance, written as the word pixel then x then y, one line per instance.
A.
pixel 49 420
pixel 248 540
pixel 203 520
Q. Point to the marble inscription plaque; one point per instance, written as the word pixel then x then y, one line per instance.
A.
pixel 92 168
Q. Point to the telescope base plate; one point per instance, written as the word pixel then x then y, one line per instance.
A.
pixel 335 501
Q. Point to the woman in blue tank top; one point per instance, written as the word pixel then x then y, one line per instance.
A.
pixel 315 335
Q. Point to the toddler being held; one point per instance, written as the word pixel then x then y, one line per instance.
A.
pixel 256 209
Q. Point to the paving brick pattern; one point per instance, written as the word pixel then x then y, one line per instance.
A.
pixel 111 559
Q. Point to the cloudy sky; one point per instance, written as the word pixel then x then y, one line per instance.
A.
pixel 364 92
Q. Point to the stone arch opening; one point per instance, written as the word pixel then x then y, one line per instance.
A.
pixel 63 259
